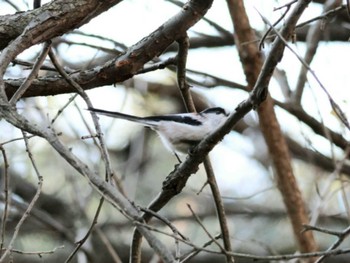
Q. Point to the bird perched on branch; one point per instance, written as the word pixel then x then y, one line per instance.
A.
pixel 178 132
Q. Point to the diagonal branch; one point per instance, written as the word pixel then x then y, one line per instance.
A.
pixel 55 19
pixel 129 63
pixel 313 38
pixel 188 101
pixel 258 75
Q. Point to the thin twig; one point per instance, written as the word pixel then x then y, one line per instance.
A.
pixel 95 138
pixel 219 205
pixel 252 257
pixel 6 197
pixel 189 104
pixel 206 230
pixel 307 22
pixel 117 44
pixel 32 75
pixel 195 251
pixel 285 5
pixel 261 44
pixel 31 204
pixel 338 111
pixel 59 112
pixel 181 73
pixel 45 219
pixel 322 230
pixel 29 65
pixel 344 194
pixel 104 151
pixel 82 93
pixel 328 14
pixel 13 5
pixel 164 220
pixel 159 65
pixel 81 242
pixel 313 38
pixel 111 51
pixel 249 196
pixel 217 81
pixel 171 226
pixel 36 253
pixel 108 245
pixel 342 235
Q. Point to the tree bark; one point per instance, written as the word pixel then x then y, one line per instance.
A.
pixel 252 64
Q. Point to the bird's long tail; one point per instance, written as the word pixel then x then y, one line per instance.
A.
pixel 124 116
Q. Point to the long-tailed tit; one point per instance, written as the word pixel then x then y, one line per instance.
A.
pixel 178 132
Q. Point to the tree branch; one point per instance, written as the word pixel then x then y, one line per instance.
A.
pixel 55 19
pixel 258 75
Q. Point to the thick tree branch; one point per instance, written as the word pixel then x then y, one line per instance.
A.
pixel 129 63
pixel 56 19
pixel 258 75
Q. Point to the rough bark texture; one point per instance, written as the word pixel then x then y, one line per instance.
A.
pixel 124 66
pixel 252 64
pixel 57 18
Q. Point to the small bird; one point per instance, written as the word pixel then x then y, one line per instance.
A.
pixel 178 132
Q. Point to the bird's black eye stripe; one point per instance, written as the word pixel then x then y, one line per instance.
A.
pixel 176 118
pixel 216 110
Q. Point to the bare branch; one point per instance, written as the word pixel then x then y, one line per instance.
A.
pixel 342 235
pixel 81 242
pixel 30 206
pixel 51 20
pixel 6 183
pixel 188 101
pixel 33 74
pixel 338 111
pixel 313 38
pixel 258 75
pixel 206 230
